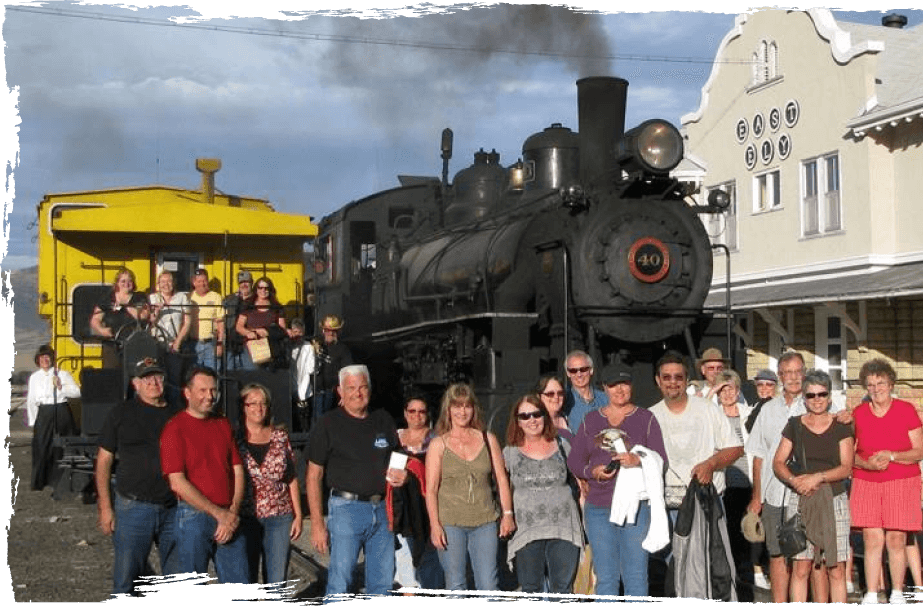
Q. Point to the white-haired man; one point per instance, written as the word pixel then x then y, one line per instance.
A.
pixel 352 445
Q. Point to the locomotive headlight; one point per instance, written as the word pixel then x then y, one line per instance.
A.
pixel 654 146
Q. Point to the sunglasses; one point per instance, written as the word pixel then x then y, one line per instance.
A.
pixel 530 415
pixel 262 287
pixel 810 395
pixel 553 393
pixel 417 411
pixel 577 370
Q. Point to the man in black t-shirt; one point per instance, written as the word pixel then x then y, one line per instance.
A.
pixel 144 506
pixel 353 446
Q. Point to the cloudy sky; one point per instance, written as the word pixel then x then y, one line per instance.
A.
pixel 315 108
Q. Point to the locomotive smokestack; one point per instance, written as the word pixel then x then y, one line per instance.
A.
pixel 601 117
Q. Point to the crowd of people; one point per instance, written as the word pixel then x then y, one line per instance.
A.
pixel 245 330
pixel 586 480
pixel 630 484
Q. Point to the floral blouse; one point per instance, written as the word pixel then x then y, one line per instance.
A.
pixel 268 482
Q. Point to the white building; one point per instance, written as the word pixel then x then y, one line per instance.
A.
pixel 815 129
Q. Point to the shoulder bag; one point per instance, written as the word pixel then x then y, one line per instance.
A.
pixel 793 538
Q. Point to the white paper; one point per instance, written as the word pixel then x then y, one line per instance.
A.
pixel 398 460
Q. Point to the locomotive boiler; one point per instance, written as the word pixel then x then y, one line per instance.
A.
pixel 586 242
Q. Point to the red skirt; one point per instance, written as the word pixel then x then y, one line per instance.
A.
pixel 893 504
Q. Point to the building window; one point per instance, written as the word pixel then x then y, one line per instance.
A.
pixel 830 346
pixel 765 63
pixel 820 195
pixel 766 192
pixel 722 227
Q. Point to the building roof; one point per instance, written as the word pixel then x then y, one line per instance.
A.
pixel 876 283
pixel 899 82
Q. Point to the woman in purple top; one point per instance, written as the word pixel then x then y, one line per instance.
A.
pixel 617 552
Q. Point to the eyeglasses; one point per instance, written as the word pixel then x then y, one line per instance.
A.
pixel 554 393
pixel 262 287
pixel 417 411
pixel 155 378
pixel 530 415
pixel 577 370
pixel 810 395
pixel 258 403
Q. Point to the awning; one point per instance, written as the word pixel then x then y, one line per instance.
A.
pixel 182 217
pixel 895 281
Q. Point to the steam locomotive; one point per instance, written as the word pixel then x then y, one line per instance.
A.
pixel 586 242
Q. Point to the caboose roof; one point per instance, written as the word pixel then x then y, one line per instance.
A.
pixel 151 214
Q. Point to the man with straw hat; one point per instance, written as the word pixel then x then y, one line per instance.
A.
pixel 331 356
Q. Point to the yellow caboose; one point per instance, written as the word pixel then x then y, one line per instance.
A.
pixel 85 237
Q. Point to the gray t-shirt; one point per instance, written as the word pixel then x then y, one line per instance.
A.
pixel 542 500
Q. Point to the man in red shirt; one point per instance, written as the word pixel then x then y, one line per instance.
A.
pixel 201 462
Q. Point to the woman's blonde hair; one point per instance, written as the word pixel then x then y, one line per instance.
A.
pixel 455 393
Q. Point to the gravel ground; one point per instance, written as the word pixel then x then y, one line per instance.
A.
pixel 55 552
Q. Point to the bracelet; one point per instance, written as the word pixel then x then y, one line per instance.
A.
pixel 892 456
pixel 505 512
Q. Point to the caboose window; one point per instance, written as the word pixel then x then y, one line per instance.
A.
pixel 84 299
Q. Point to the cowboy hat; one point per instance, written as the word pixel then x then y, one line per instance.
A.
pixel 331 322
pixel 712 355
pixel 45 350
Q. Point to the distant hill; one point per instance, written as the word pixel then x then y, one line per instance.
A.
pixel 29 330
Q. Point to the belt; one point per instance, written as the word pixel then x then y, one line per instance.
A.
pixel 135 498
pixel 203 341
pixel 346 495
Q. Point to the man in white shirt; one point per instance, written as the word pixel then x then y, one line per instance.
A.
pixel 697 436
pixel 302 367
pixel 49 415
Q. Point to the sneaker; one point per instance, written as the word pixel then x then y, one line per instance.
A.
pixel 760 581
pixel 870 598
pixel 850 587
pixel 897 598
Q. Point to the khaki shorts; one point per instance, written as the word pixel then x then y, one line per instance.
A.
pixel 772 520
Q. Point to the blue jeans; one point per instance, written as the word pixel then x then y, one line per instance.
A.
pixel 355 525
pixel 137 526
pixel 205 354
pixel 480 543
pixel 196 543
pixel 270 538
pixel 617 551
pixel 559 557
